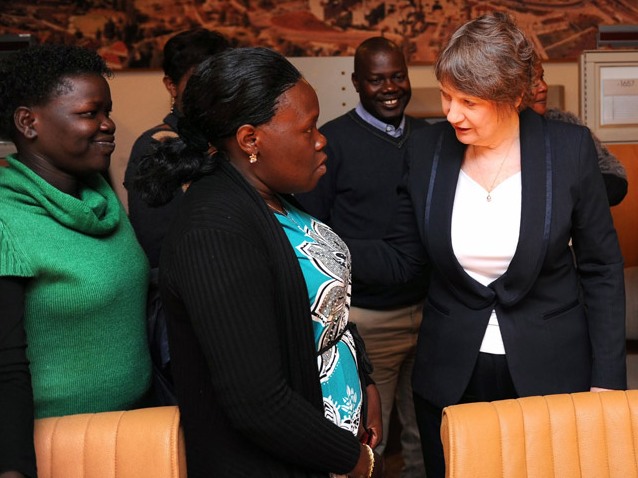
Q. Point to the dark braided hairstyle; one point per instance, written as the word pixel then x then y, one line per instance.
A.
pixel 233 88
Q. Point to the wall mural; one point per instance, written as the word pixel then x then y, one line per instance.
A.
pixel 132 33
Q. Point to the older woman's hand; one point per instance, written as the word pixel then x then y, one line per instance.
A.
pixel 598 389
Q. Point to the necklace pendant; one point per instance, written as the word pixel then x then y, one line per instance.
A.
pixel 489 197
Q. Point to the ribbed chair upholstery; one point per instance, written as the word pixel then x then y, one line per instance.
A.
pixel 580 435
pixel 144 443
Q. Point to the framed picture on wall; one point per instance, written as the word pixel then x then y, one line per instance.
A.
pixel 609 94
pixel 132 33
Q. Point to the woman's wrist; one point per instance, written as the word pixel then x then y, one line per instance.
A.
pixel 371 457
pixel 365 465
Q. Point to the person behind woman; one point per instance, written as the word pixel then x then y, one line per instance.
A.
pixel 612 170
pixel 256 292
pixel 182 53
pixel 72 277
pixel 492 199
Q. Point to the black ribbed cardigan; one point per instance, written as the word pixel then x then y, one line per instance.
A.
pixel 242 346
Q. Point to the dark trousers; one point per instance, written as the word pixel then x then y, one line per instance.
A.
pixel 490 381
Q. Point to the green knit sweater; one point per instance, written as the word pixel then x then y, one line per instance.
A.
pixel 86 297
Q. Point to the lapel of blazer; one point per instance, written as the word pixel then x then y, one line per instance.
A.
pixel 536 178
pixel 446 165
pixel 536 210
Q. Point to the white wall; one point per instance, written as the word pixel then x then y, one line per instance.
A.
pixel 140 100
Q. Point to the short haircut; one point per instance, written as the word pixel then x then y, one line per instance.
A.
pixel 33 76
pixel 374 45
pixel 489 58
pixel 189 48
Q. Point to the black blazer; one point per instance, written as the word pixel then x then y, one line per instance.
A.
pixel 561 310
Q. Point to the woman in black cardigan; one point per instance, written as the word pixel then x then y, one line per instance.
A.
pixel 493 199
pixel 268 373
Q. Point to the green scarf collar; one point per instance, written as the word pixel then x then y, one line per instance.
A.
pixel 96 212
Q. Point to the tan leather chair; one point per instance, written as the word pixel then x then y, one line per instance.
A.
pixel 581 435
pixel 144 443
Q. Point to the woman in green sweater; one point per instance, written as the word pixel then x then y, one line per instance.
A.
pixel 73 278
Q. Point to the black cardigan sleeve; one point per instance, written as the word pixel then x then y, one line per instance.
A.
pixel 230 293
pixel 16 396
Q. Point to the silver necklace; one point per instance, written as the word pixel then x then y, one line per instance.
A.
pixel 500 168
pixel 281 209
pixel 284 212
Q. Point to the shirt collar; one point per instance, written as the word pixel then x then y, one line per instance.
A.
pixel 380 125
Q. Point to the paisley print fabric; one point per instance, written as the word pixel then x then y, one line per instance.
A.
pixel 325 262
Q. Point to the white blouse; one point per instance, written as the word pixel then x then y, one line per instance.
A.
pixel 484 237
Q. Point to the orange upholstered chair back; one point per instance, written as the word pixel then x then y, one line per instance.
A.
pixel 580 435
pixel 144 443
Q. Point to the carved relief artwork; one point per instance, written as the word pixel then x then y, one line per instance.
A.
pixel 131 33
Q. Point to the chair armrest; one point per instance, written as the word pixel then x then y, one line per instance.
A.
pixel 143 443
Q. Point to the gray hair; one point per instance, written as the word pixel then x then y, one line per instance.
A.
pixel 489 58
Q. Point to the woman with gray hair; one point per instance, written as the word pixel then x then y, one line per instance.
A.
pixel 492 199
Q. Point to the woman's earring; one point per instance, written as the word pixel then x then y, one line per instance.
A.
pixel 252 158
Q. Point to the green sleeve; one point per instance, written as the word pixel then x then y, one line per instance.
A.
pixel 13 260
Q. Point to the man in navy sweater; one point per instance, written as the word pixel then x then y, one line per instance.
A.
pixel 357 197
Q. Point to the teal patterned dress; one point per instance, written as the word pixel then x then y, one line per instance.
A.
pixel 325 262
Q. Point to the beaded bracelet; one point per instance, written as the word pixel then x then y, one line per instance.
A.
pixel 371 455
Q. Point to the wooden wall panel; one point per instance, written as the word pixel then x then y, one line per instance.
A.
pixel 626 213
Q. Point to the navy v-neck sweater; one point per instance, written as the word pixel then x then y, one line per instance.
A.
pixel 357 197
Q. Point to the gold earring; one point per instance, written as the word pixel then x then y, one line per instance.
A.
pixel 252 158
